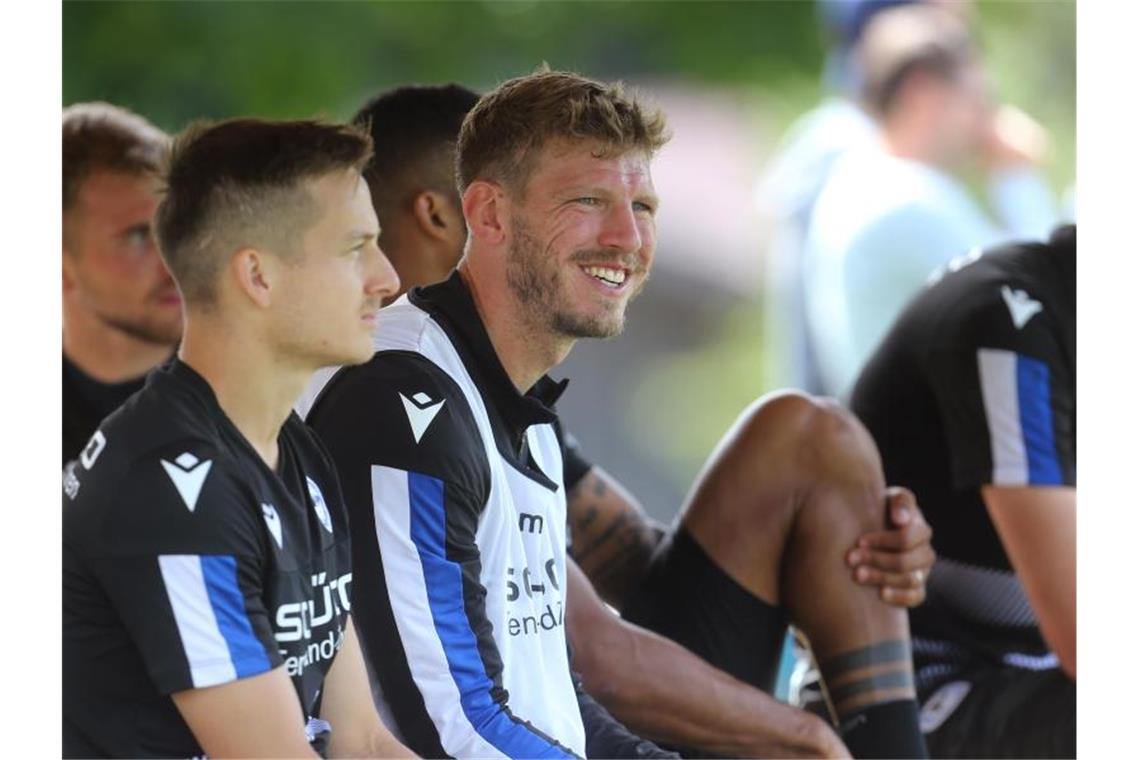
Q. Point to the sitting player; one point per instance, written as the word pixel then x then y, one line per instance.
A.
pixel 972 400
pixel 206 560
pixel 808 473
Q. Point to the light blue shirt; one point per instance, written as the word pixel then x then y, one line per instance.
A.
pixel 880 226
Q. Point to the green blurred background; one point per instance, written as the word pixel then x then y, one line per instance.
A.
pixel 731 75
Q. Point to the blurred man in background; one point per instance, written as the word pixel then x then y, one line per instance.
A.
pixel 122 314
pixel 615 542
pixel 972 401
pixel 891 212
pixel 787 191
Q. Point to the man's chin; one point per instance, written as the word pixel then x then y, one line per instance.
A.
pixel 578 327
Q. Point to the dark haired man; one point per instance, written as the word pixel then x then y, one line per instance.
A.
pixel 121 311
pixel 206 558
pixel 412 177
pixel 562 236
pixel 972 399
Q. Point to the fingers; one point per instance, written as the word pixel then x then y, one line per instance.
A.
pixel 901 589
pixel 902 506
pixel 898 598
pixel 890 561
pixel 907 537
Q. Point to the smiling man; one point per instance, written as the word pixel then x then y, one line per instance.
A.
pixel 462 582
pixel 206 559
pixel 122 315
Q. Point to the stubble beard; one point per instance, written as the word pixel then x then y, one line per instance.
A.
pixel 155 331
pixel 536 282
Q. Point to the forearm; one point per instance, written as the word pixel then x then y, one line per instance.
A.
pixel 378 743
pixel 663 692
pixel 612 538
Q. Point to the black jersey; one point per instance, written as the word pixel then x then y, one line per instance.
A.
pixel 976 384
pixel 455 494
pixel 86 401
pixel 188 562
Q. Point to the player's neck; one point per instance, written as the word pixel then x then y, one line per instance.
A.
pixel 526 354
pixel 253 387
pixel 106 353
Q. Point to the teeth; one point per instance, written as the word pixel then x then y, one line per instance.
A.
pixel 611 276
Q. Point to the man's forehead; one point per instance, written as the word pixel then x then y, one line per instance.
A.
pixel 113 192
pixel 590 161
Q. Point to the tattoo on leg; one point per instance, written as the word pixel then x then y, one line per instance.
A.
pixel 879 672
pixel 879 653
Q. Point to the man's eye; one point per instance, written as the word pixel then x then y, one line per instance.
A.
pixel 589 201
pixel 639 206
pixel 137 237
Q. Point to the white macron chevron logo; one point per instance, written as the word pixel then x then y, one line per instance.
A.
pixel 188 476
pixel 1021 306
pixel 421 411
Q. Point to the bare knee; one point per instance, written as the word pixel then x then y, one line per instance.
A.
pixel 816 435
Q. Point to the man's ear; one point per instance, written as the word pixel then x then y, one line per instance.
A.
pixel 433 214
pixel 253 272
pixel 486 210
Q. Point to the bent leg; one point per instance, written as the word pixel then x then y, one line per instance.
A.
pixel 789 490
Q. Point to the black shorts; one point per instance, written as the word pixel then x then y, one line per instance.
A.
pixel 1003 712
pixel 686 597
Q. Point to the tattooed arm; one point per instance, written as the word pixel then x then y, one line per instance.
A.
pixel 612 537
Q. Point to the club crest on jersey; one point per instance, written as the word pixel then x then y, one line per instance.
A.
pixel 188 475
pixel 273 522
pixel 319 505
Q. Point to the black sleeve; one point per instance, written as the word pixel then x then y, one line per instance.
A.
pixel 416 480
pixel 173 543
pixel 1006 393
pixel 605 736
pixel 575 465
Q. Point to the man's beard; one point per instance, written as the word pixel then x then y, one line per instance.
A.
pixel 147 328
pixel 535 279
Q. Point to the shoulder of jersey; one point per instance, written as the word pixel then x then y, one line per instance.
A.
pixel 151 444
pixel 414 398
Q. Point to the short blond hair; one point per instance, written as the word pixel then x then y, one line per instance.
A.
pixel 510 125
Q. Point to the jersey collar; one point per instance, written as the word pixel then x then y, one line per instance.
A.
pixel 451 304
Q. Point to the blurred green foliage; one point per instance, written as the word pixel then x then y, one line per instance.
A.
pixel 178 60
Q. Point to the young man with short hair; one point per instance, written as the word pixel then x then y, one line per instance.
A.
pixel 207 577
pixel 122 315
pixel 466 510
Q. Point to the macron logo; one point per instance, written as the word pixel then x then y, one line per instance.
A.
pixel 1021 306
pixel 421 411
pixel 188 475
pixel 273 522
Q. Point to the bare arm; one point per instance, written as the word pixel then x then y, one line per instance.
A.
pixel 665 693
pixel 357 730
pixel 258 716
pixel 1038 528
pixel 612 538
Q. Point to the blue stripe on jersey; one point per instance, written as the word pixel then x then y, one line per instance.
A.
pixel 246 650
pixel 444 582
pixel 1036 409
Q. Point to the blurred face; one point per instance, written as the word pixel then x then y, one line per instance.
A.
pixel 966 108
pixel 334 286
pixel 582 240
pixel 111 267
